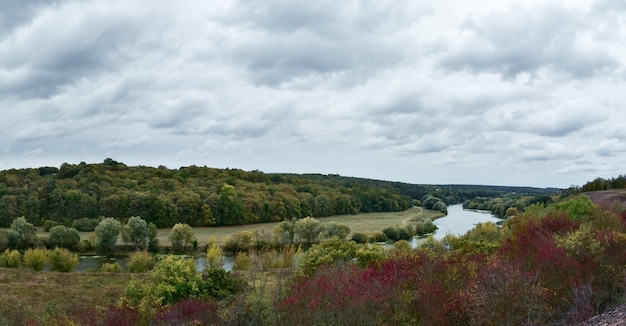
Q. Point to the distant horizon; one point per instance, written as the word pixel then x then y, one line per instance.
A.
pixel 292 173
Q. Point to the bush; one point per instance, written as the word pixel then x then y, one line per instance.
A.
pixel 377 237
pixel 359 237
pixel 111 268
pixel 36 258
pixel 85 245
pixel 239 241
pixel 49 224
pixel 220 284
pixel 214 257
pixel 63 237
pixel 140 262
pixel 327 253
pixel 172 279
pixel 85 224
pixel 242 261
pixel 63 260
pixel 189 312
pixel 10 259
pixel 392 234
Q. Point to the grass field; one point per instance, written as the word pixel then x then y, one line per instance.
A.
pixel 365 222
pixel 31 293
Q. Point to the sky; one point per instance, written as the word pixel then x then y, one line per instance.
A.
pixel 518 93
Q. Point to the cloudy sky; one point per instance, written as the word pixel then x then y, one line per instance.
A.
pixel 450 91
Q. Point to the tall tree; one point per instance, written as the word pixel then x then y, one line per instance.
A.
pixel 106 235
pixel 136 232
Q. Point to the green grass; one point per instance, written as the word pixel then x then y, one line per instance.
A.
pixel 32 293
pixel 358 223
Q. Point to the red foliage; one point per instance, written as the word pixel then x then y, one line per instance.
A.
pixel 191 311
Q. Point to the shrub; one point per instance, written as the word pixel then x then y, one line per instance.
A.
pixel 329 252
pixel 140 262
pixel 220 284
pixel 85 224
pixel 63 237
pixel 63 260
pixel 172 279
pixel 238 241
pixel 242 261
pixel 359 237
pixel 392 233
pixel 36 258
pixel 404 233
pixel 214 257
pixel 111 268
pixel 377 237
pixel 10 259
pixel 367 255
pixel 49 224
pixel 189 312
pixel 85 245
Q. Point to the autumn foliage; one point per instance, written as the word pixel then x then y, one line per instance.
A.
pixel 546 268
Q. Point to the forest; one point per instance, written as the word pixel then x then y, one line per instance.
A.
pixel 202 196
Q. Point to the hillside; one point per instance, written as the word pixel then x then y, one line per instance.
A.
pixel 608 197
pixel 202 196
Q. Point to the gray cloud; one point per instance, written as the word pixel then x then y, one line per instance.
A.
pixel 452 92
pixel 529 40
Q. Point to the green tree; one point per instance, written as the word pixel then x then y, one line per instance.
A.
pixel 182 237
pixel 24 233
pixel 106 235
pixel 287 230
pixel 61 236
pixel 233 211
pixel 136 232
pixel 309 229
pixel 338 230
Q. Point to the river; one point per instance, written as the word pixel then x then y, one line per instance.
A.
pixel 459 221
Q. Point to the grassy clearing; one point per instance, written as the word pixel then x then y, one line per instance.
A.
pixel 52 293
pixel 358 223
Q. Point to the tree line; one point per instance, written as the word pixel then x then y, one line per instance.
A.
pixel 599 184
pixel 197 196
